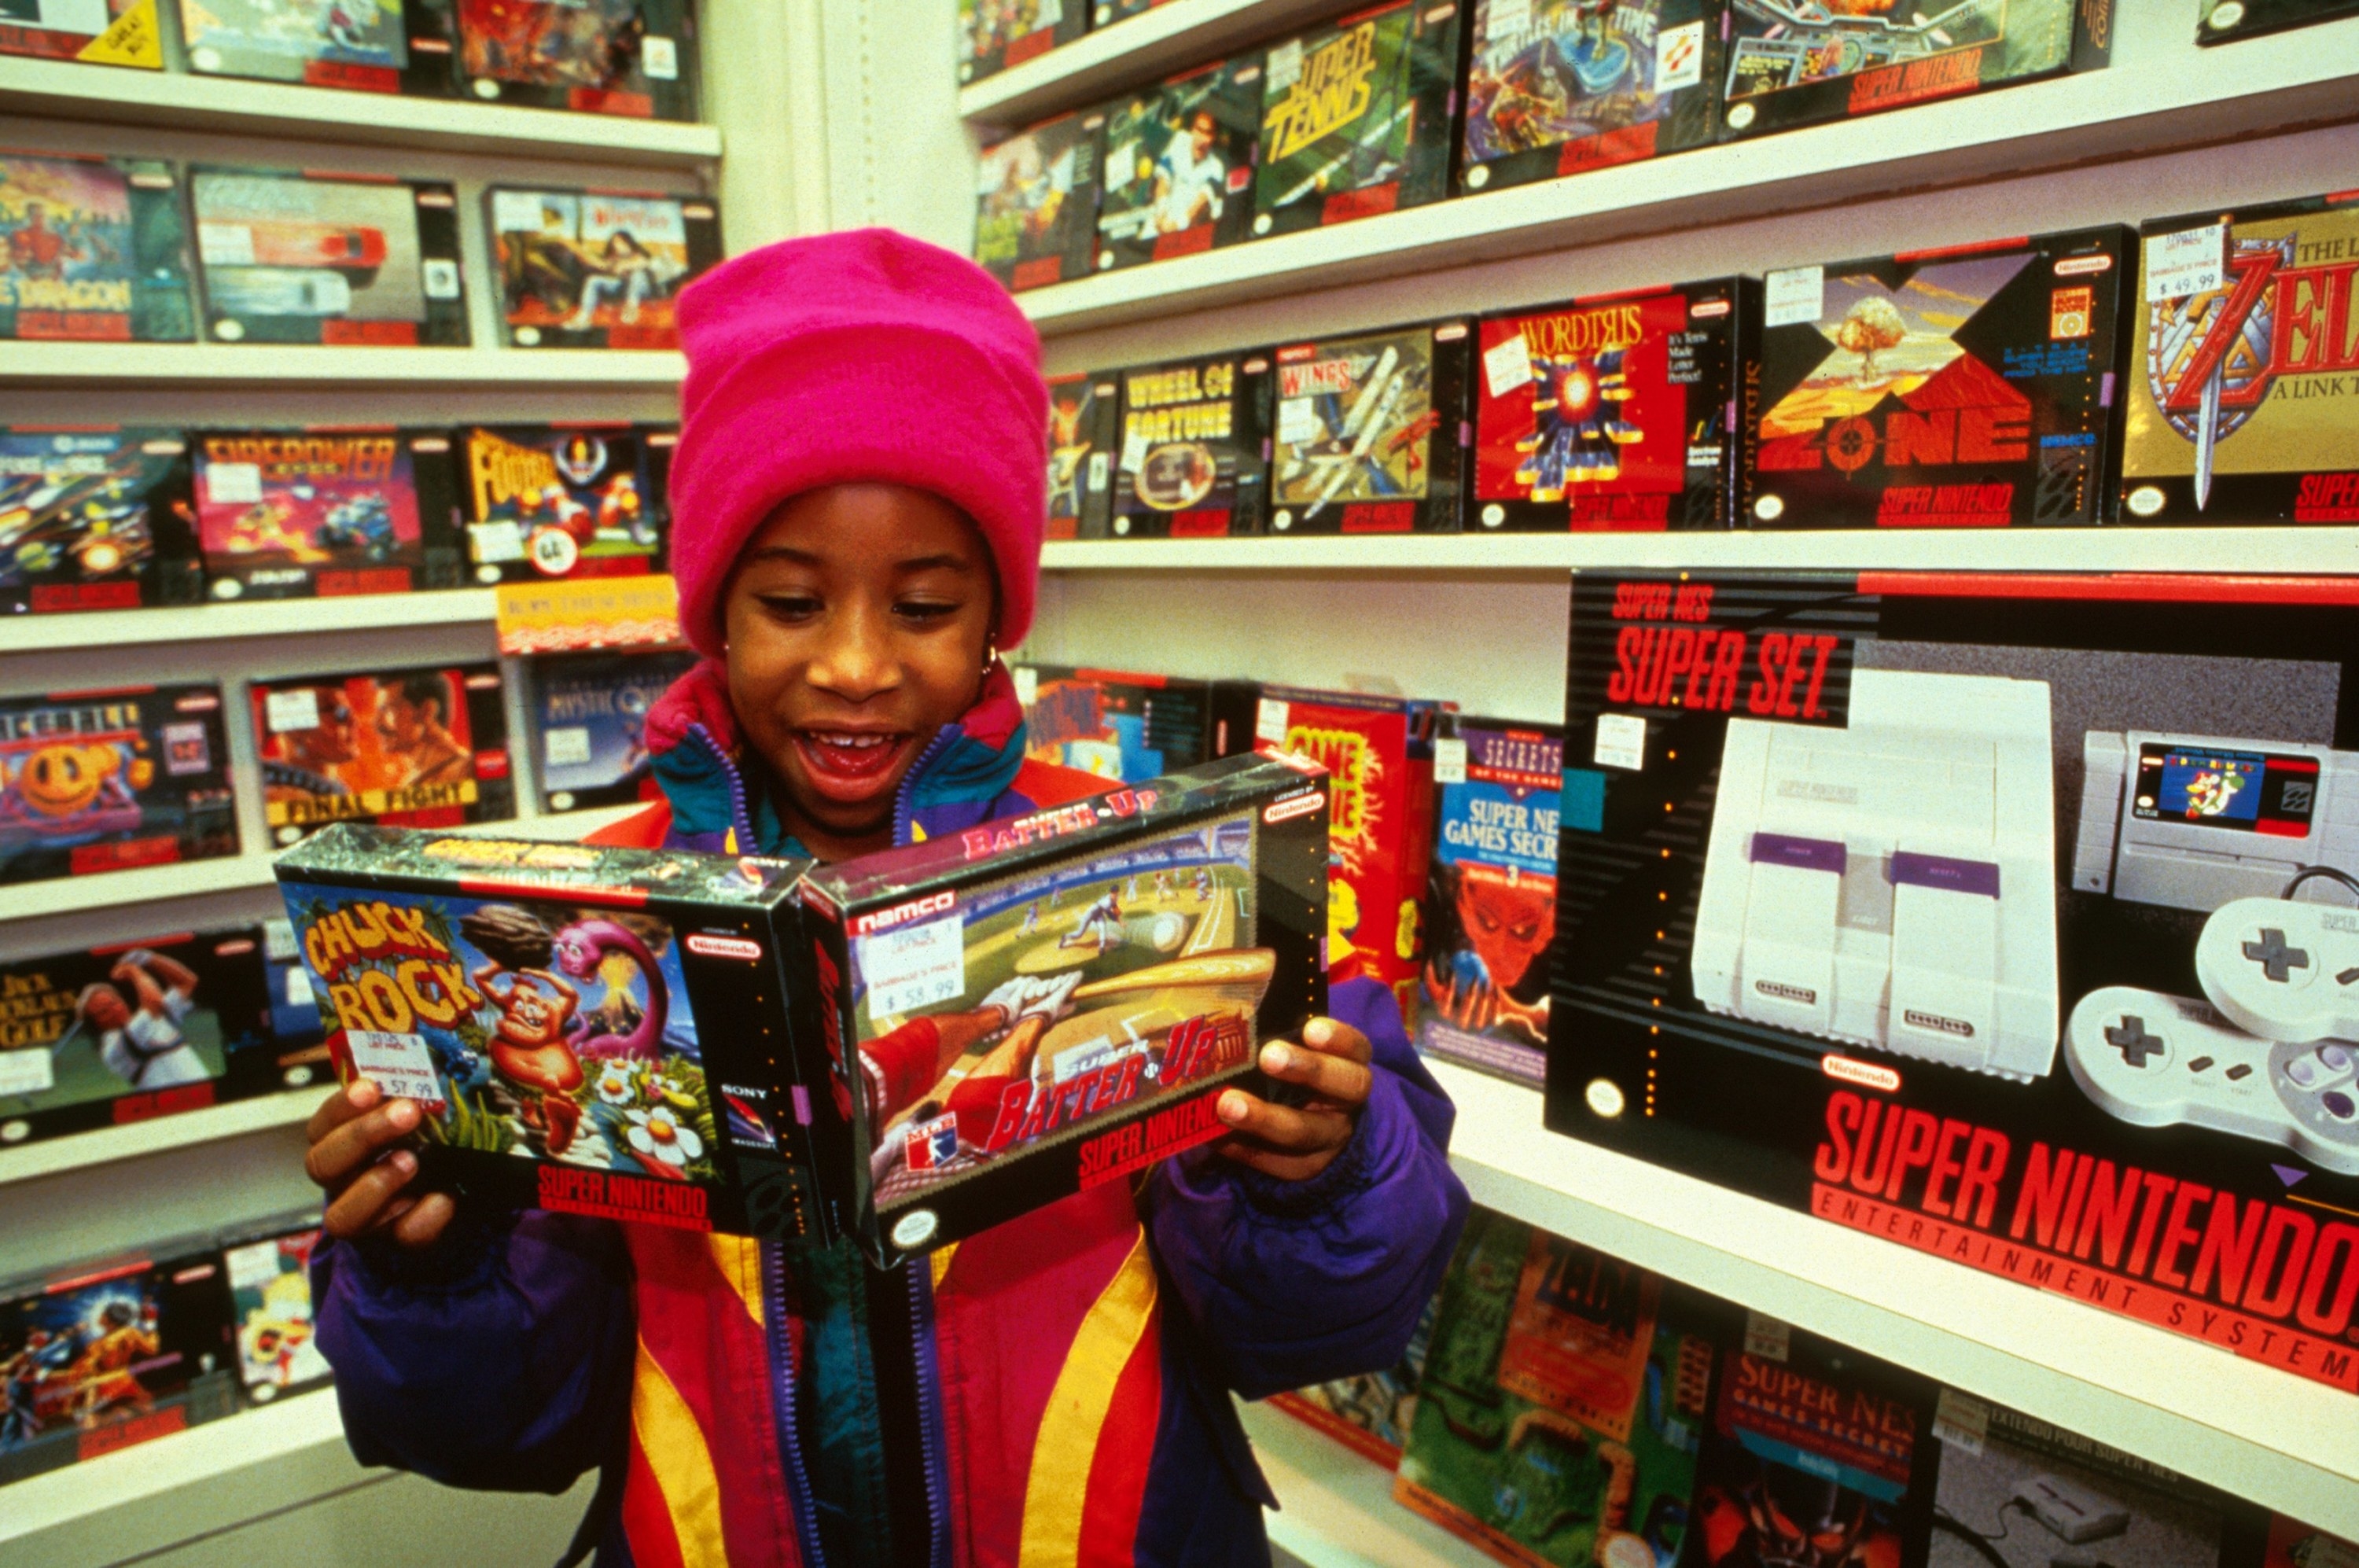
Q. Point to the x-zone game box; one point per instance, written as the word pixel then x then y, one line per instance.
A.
pixel 635 57
pixel 1558 86
pixel 94 781
pixel 2011 918
pixel 1179 169
pixel 2244 367
pixel 596 268
pixel 102 32
pixel 410 748
pixel 95 518
pixel 1355 117
pixel 1036 202
pixel 289 514
pixel 112 1354
pixel 1131 727
pixel 1975 386
pixel 1082 413
pixel 590 714
pixel 995 33
pixel 552 1007
pixel 1047 1003
pixel 315 259
pixel 2225 21
pixel 1796 63
pixel 1613 413
pixel 544 501
pixel 1195 449
pixel 1371 432
pixel 92 248
pixel 364 46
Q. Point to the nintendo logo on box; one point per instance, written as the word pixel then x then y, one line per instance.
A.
pixel 1293 806
pixel 723 946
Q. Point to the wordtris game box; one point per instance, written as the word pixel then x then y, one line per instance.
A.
pixel 349 259
pixel 1613 413
pixel 95 518
pixel 1036 202
pixel 1083 414
pixel 1179 171
pixel 1975 386
pixel 1999 914
pixel 596 268
pixel 1129 726
pixel 1195 449
pixel 290 514
pixel 95 250
pixel 1355 118
pixel 1042 1003
pixel 548 1004
pixel 543 501
pixel 410 748
pixel 635 57
pixel 94 781
pixel 1371 431
pixel 1559 86
pixel 995 33
pixel 2242 403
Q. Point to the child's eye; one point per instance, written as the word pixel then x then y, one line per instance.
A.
pixel 791 606
pixel 925 612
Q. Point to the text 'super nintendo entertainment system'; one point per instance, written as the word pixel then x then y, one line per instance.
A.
pixel 1849 862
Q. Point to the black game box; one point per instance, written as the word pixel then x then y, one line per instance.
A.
pixel 590 722
pixel 632 58
pixel 2225 21
pixel 96 250
pixel 1611 413
pixel 352 260
pixel 544 501
pixel 1084 409
pixel 1178 169
pixel 93 781
pixel 1355 117
pixel 325 512
pixel 1974 387
pixel 1036 202
pixel 1194 450
pixel 596 268
pixel 1129 726
pixel 424 747
pixel 1371 432
pixel 994 35
pixel 1049 1002
pixel 95 517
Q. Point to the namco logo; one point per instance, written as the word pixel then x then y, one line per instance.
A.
pixel 1293 806
pixel 1295 760
pixel 1865 1074
pixel 722 946
pixel 902 914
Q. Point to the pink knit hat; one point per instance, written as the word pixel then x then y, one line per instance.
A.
pixel 861 356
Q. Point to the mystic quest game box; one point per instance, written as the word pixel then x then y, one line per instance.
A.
pixel 1043 1004
pixel 409 747
pixel 590 725
pixel 1795 62
pixel 2243 404
pixel 995 33
pixel 596 268
pixel 632 57
pixel 592 1031
pixel 294 514
pixel 1555 87
pixel 100 32
pixel 1617 413
pixel 354 260
pixel 1371 432
pixel 1970 388
pixel 95 249
pixel 278 1351
pixel 1130 727
pixel 93 781
pixel 1355 118
pixel 1083 413
pixel 95 517
pixel 1195 449
pixel 543 501
pixel 2013 917
pixel 1490 901
pixel 1179 169
pixel 1036 202
pixel 2225 21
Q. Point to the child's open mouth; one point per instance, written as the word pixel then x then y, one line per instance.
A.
pixel 850 765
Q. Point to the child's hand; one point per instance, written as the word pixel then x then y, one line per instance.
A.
pixel 1295 1144
pixel 351 1134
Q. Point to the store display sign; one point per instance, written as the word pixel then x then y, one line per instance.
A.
pixel 572 615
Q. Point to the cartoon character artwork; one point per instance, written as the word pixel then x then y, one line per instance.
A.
pixel 557 501
pixel 289 513
pixel 1561 86
pixel 80 1358
pixel 271 1291
pixel 91 781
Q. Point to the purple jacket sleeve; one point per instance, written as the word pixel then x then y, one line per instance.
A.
pixel 1296 1282
pixel 499 1360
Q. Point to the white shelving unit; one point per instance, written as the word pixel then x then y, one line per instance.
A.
pixel 234 366
pixel 247 618
pixel 135 1139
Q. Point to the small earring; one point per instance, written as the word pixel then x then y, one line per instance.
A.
pixel 990 655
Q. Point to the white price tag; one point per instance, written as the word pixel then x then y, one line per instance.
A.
pixel 1133 451
pixel 1122 166
pixel 1285 66
pixel 299 987
pixel 225 245
pixel 1679 56
pixel 296 710
pixel 2193 261
pixel 1505 20
pixel 1269 720
pixel 1298 421
pixel 1767 1338
pixel 234 484
pixel 439 276
pixel 567 746
pixel 398 1065
pixel 256 1263
pixel 915 966
pixel 1960 1421
pixel 659 59
pixel 1506 365
pixel 1794 294
pixel 278 939
pixel 1449 760
pixel 1621 742
pixel 28 1069
pixel 495 542
pixel 1028 684
pixel 1100 462
pixel 520 211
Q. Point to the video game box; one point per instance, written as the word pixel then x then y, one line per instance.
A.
pixel 111 781
pixel 1371 431
pixel 1083 408
pixel 326 511
pixel 1357 117
pixel 352 260
pixel 95 517
pixel 1193 461
pixel 97 250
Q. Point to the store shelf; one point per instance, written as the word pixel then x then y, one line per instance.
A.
pixel 2257 1432
pixel 284 366
pixel 1336 1507
pixel 65 90
pixel 256 618
pixel 1170 38
pixel 155 1135
pixel 2171 99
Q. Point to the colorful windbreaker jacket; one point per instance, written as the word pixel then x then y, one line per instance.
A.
pixel 1052 1391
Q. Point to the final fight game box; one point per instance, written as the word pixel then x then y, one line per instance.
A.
pixel 1795 62
pixel 2013 917
pixel 1179 171
pixel 1036 202
pixel 361 45
pixel 1046 1002
pixel 1617 413
pixel 1371 432
pixel 409 747
pixel 293 514
pixel 589 718
pixel 93 781
pixel 1357 117
pixel 94 518
pixel 1083 411
pixel 553 1010
pixel 2225 21
pixel 346 259
pixel 99 32
pixel 635 57
pixel 2242 407
pixel 1195 449
pixel 1558 86
pixel 543 501
pixel 995 33
pixel 1974 387
pixel 1128 727
pixel 95 249
pixel 596 268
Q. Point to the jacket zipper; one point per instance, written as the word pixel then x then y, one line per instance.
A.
pixel 782 1402
pixel 931 1442
pixel 904 816
pixel 740 815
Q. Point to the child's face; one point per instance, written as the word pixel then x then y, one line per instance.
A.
pixel 857 623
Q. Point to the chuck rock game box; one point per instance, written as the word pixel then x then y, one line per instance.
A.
pixel 1974 387
pixel 2243 378
pixel 1179 169
pixel 1046 1002
pixel 347 259
pixel 95 518
pixel 410 748
pixel 1613 413
pixel 1083 414
pixel 292 514
pixel 2009 917
pixel 543 501
pixel 1195 449
pixel 1357 118
pixel 1128 727
pixel 93 781
pixel 1371 432
pixel 1036 202
pixel 95 250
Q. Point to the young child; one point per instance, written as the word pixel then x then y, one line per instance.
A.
pixel 860 499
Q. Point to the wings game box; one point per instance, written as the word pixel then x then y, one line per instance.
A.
pixel 1179 169
pixel 1036 202
pixel 589 720
pixel 995 33
pixel 1357 117
pixel 422 748
pixel 360 46
pixel 1128 727
pixel 1371 432
pixel 290 514
pixel 1194 454
pixel 348 259
pixel 95 518
pixel 1975 386
pixel 93 248
pixel 596 268
pixel 543 501
pixel 93 781
pixel 635 57
pixel 1084 409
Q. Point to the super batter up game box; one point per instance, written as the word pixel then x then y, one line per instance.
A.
pixel 2011 918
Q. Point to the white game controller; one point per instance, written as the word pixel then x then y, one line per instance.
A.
pixel 2283 970
pixel 2158 1061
